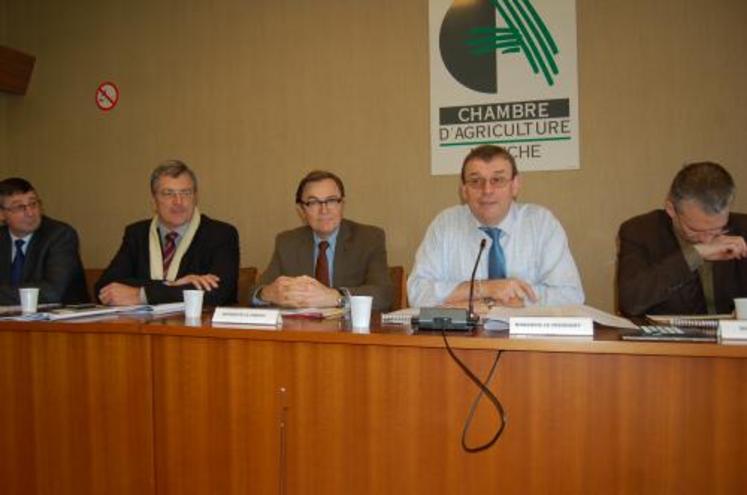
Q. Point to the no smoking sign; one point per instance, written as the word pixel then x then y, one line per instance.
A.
pixel 107 96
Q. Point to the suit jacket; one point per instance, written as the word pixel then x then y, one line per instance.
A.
pixel 654 278
pixel 214 249
pixel 360 263
pixel 52 264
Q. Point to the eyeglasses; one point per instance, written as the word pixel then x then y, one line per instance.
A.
pixel 31 206
pixel 316 204
pixel 715 231
pixel 480 182
pixel 173 193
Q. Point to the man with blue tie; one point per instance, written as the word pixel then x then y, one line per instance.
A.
pixel 35 250
pixel 527 258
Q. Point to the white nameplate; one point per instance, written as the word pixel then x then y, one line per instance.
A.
pixel 247 316
pixel 732 329
pixel 546 325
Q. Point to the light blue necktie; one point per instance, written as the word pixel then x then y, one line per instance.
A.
pixel 496 258
pixel 16 268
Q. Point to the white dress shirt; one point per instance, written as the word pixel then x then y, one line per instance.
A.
pixel 26 241
pixel 534 243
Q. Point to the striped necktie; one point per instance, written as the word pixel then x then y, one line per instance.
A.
pixel 168 250
pixel 16 268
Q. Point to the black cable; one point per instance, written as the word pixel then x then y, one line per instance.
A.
pixel 484 390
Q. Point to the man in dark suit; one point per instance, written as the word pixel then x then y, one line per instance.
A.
pixel 178 249
pixel 315 265
pixel 35 250
pixel 691 257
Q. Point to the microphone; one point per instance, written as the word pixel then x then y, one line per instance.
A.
pixel 451 318
pixel 472 316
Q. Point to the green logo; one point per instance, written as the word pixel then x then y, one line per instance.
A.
pixel 471 35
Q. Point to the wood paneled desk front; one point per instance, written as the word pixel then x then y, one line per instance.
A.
pixel 134 406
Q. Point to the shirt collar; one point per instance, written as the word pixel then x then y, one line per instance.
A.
pixel 26 238
pixel 507 225
pixel 332 239
pixel 162 230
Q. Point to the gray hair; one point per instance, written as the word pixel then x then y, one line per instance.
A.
pixel 171 168
pixel 707 183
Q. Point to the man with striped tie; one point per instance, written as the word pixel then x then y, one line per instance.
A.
pixel 35 250
pixel 526 261
pixel 179 248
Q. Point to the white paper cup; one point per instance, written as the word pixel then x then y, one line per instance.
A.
pixel 193 303
pixel 360 309
pixel 192 322
pixel 29 299
pixel 740 304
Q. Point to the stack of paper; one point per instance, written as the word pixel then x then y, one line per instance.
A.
pixel 154 309
pixel 313 313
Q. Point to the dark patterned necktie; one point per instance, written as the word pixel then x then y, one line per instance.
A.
pixel 322 267
pixel 16 268
pixel 168 250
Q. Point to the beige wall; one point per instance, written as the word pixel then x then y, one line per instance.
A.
pixel 255 93
pixel 3 100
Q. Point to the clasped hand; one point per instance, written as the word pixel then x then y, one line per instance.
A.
pixel 299 292
pixel 510 292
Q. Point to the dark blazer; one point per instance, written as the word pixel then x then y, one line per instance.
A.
pixel 214 249
pixel 52 264
pixel 360 263
pixel 654 278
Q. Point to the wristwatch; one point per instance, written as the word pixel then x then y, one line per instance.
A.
pixel 341 299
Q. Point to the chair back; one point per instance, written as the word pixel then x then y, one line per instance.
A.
pixel 399 299
pixel 92 276
pixel 247 279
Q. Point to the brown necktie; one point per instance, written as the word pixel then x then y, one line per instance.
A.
pixel 168 250
pixel 322 267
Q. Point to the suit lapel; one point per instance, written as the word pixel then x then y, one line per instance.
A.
pixel 186 263
pixel 725 277
pixel 341 252
pixel 305 253
pixel 5 252
pixel 33 251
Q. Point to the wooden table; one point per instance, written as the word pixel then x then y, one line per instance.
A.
pixel 136 406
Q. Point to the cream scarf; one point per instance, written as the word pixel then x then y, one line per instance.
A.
pixel 154 246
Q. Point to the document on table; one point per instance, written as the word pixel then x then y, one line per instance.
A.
pixel 313 313
pixel 155 309
pixel 704 321
pixel 503 314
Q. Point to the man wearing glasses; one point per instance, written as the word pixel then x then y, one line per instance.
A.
pixel 35 250
pixel 526 260
pixel 315 265
pixel 690 257
pixel 178 249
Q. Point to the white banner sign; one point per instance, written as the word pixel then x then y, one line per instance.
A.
pixel 504 72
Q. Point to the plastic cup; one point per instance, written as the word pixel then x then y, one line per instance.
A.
pixel 29 299
pixel 193 303
pixel 360 309
pixel 740 304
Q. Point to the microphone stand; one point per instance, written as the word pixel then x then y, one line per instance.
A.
pixel 451 318
pixel 471 316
